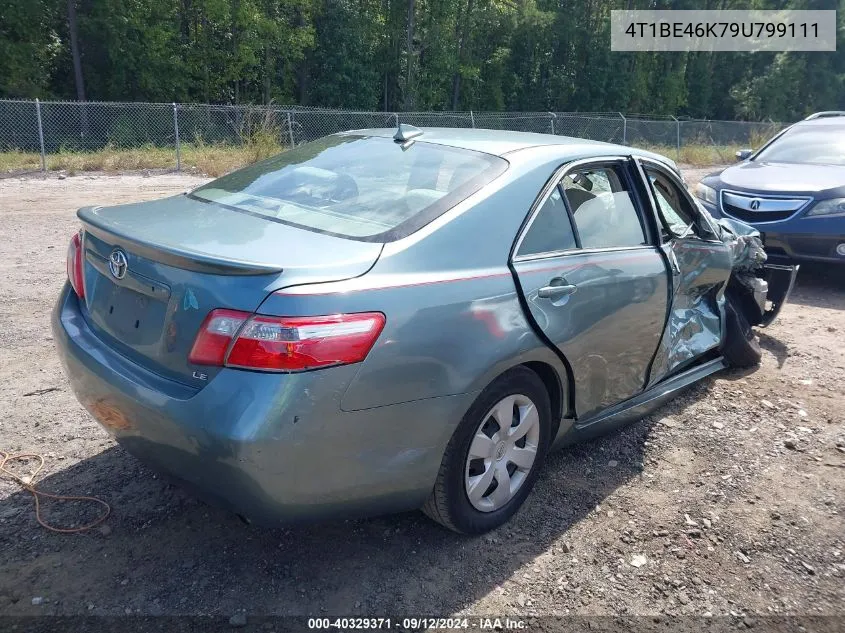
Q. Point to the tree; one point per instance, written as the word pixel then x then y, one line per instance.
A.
pixel 74 47
pixel 399 54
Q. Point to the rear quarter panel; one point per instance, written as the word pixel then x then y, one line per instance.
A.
pixel 444 337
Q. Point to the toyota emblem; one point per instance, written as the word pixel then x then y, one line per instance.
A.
pixel 117 264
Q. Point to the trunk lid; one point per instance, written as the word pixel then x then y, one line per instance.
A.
pixel 177 259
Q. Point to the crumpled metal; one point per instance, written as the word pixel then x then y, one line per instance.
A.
pixel 695 320
pixel 745 244
pixel 748 257
pixel 694 325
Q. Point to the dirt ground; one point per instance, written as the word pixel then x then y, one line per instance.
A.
pixel 728 501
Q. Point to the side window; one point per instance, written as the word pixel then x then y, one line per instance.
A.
pixel 602 208
pixel 677 216
pixel 551 230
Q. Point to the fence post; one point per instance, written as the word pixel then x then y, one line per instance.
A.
pixel 395 118
pixel 176 131
pixel 40 135
pixel 677 140
pixel 624 128
pixel 290 129
pixel 472 118
pixel 552 121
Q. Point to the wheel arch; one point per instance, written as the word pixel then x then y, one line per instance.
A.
pixel 554 387
pixel 448 500
pixel 555 376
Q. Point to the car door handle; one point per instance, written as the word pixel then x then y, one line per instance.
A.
pixel 556 289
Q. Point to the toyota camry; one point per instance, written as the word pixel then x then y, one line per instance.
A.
pixel 385 320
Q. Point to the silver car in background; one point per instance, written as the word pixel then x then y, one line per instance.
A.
pixel 385 320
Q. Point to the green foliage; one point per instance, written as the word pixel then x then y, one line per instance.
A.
pixel 400 55
pixel 29 47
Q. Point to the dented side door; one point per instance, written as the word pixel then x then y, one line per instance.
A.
pixel 699 266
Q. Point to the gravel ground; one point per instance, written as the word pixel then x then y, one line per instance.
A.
pixel 728 501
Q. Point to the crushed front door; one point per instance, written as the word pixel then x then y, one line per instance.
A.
pixel 699 264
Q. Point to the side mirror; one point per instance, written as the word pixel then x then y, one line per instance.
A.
pixel 743 154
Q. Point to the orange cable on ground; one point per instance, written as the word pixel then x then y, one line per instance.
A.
pixel 29 485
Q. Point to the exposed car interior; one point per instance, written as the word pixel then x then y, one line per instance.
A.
pixel 602 208
pixel 602 211
pixel 353 186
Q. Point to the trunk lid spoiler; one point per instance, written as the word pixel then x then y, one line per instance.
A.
pixel 205 237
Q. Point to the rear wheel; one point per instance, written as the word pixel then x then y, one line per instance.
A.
pixel 741 348
pixel 492 460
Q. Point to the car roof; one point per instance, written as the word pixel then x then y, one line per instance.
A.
pixel 498 142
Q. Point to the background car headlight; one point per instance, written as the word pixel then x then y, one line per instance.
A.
pixel 708 194
pixel 835 206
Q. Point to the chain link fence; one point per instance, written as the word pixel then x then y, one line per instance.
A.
pixel 34 131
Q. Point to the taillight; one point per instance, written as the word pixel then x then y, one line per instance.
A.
pixel 75 259
pixel 284 343
pixel 215 334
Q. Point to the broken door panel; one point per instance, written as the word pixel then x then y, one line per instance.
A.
pixel 700 270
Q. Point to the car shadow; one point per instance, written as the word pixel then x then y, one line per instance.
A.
pixel 820 286
pixel 734 374
pixel 778 348
pixel 163 552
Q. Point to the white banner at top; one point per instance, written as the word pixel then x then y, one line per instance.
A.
pixel 723 30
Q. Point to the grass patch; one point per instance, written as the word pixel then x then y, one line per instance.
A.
pixel 19 161
pixel 214 160
pixel 697 155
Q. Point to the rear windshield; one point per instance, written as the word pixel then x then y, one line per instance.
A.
pixel 360 187
pixel 813 145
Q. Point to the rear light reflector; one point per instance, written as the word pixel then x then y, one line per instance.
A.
pixel 285 343
pixel 75 260
pixel 215 334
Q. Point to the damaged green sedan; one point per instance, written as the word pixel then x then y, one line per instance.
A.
pixel 386 320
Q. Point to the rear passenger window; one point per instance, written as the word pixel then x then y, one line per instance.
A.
pixel 551 230
pixel 602 208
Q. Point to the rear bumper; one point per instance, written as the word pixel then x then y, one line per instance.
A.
pixel 275 448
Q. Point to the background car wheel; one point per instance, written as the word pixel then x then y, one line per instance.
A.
pixel 492 460
pixel 741 348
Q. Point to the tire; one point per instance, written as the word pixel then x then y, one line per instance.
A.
pixel 450 503
pixel 741 348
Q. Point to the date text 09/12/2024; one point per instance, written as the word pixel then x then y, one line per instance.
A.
pixel 417 623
